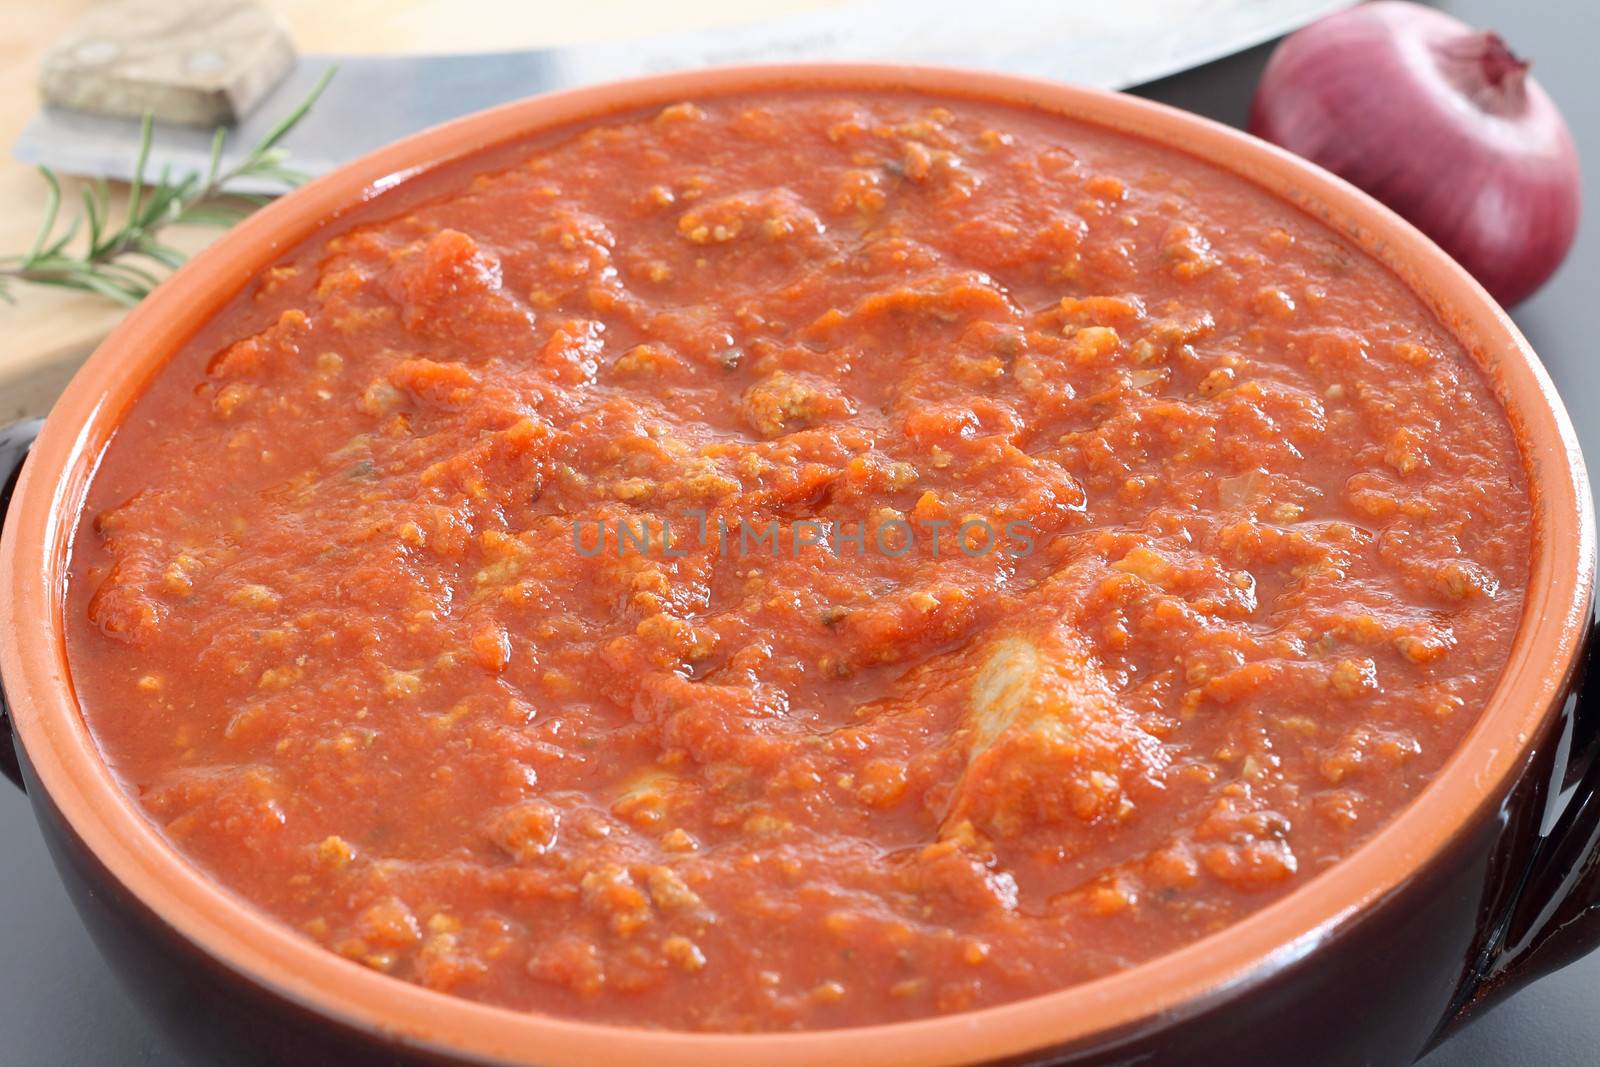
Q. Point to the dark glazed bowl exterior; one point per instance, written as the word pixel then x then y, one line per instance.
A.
pixel 1486 881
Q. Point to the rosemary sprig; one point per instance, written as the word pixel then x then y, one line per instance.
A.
pixel 124 262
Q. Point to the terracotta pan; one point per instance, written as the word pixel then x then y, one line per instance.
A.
pixel 1480 885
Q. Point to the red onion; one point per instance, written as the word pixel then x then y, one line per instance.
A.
pixel 1439 121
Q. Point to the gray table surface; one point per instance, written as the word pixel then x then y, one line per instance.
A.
pixel 59 1005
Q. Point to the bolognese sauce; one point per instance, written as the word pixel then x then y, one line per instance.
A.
pixel 797 560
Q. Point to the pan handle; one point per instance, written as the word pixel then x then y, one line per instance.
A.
pixel 15 441
pixel 1553 915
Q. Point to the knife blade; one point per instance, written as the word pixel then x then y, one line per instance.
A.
pixel 376 99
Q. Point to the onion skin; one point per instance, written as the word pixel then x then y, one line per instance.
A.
pixel 1443 124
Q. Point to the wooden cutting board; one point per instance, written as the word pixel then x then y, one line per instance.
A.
pixel 48 332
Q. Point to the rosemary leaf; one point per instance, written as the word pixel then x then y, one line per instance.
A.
pixel 52 206
pixel 105 266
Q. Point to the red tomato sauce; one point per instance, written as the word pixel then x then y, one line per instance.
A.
pixel 373 611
